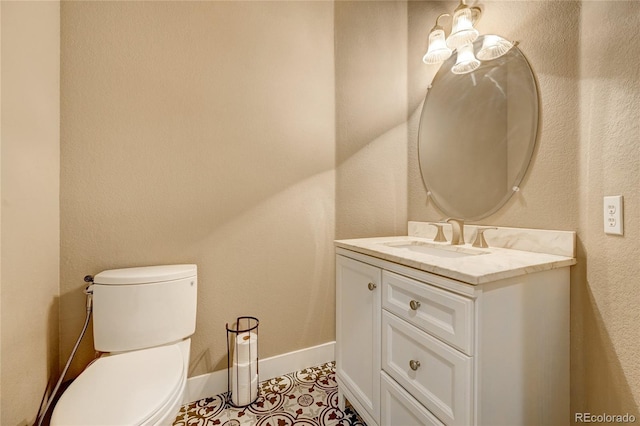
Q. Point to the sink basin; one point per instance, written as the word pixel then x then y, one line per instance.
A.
pixel 434 249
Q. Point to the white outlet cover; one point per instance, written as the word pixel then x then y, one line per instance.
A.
pixel 613 215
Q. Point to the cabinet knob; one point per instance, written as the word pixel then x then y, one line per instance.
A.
pixel 414 304
pixel 372 286
pixel 414 364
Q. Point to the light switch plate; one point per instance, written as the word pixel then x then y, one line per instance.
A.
pixel 613 217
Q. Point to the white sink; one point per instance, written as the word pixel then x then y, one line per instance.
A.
pixel 434 249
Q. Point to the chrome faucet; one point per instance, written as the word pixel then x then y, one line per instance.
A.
pixel 457 231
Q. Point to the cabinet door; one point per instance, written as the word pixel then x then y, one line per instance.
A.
pixel 358 313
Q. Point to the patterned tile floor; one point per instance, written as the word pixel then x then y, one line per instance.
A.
pixel 305 398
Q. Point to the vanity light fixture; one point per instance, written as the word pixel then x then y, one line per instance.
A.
pixel 462 31
pixel 466 61
pixel 438 50
pixel 461 38
pixel 493 47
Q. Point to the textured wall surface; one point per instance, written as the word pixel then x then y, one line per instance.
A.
pixel 371 135
pixel 607 301
pixel 203 132
pixel 30 207
pixel 587 148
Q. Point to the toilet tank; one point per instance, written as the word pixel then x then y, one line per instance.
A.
pixel 137 308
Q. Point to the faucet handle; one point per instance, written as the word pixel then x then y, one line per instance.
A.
pixel 440 238
pixel 480 241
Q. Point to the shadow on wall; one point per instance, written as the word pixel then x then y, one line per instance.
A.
pixel 371 188
pixel 599 384
pixel 370 86
pixel 370 72
pixel 203 361
pixel 273 262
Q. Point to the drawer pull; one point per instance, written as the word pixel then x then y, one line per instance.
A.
pixel 414 304
pixel 414 364
pixel 372 286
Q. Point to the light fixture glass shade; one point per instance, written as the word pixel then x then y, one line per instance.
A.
pixel 493 46
pixel 438 50
pixel 466 61
pixel 462 31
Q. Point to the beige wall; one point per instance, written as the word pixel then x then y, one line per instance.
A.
pixel 0 212
pixel 203 132
pixel 371 111
pixel 30 206
pixel 607 301
pixel 587 148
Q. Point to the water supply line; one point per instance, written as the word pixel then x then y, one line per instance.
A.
pixel 88 291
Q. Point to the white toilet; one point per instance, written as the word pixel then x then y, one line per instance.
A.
pixel 142 320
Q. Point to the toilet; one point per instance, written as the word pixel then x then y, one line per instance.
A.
pixel 142 320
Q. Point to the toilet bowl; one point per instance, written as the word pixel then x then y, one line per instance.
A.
pixel 143 318
pixel 143 387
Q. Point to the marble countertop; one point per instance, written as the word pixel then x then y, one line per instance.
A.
pixel 480 265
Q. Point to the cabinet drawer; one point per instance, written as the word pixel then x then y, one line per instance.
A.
pixel 400 408
pixel 443 314
pixel 442 379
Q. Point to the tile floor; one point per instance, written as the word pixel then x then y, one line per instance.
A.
pixel 305 398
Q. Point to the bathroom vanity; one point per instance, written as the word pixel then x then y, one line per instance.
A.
pixel 433 334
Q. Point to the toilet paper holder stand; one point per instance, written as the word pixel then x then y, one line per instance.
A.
pixel 242 362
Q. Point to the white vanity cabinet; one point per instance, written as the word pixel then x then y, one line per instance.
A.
pixel 423 349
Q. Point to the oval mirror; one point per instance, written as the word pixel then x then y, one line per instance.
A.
pixel 477 134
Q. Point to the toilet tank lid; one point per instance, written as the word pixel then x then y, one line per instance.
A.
pixel 145 274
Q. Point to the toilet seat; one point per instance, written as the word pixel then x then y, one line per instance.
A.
pixel 132 388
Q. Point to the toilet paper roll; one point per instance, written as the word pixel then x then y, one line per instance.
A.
pixel 244 373
pixel 245 348
pixel 244 383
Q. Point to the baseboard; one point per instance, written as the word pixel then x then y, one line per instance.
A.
pixel 211 384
